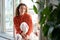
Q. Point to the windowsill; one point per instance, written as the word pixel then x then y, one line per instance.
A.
pixel 6 36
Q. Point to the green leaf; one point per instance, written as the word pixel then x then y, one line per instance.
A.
pixel 32 0
pixel 46 29
pixel 45 12
pixel 56 34
pixel 38 3
pixel 35 9
pixel 42 20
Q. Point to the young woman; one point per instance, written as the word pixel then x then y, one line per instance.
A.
pixel 22 16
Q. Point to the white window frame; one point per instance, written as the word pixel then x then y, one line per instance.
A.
pixel 2 30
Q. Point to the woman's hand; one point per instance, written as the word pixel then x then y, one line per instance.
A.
pixel 24 36
pixel 36 33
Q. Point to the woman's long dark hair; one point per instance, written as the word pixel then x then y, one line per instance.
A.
pixel 17 9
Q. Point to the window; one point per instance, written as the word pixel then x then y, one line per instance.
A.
pixel 9 16
pixel 9 10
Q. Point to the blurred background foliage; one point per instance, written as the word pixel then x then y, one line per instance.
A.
pixel 49 19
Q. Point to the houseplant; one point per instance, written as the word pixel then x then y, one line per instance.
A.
pixel 50 21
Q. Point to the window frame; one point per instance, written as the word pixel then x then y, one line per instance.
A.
pixel 2 31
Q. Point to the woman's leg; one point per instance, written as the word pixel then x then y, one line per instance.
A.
pixel 18 37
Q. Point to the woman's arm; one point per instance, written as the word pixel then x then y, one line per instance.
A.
pixel 16 26
pixel 29 21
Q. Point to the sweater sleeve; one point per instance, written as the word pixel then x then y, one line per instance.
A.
pixel 29 21
pixel 16 25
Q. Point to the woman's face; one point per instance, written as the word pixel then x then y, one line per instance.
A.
pixel 22 9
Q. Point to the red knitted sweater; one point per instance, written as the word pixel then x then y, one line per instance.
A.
pixel 24 18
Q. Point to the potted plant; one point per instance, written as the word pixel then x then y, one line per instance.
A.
pixel 50 21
